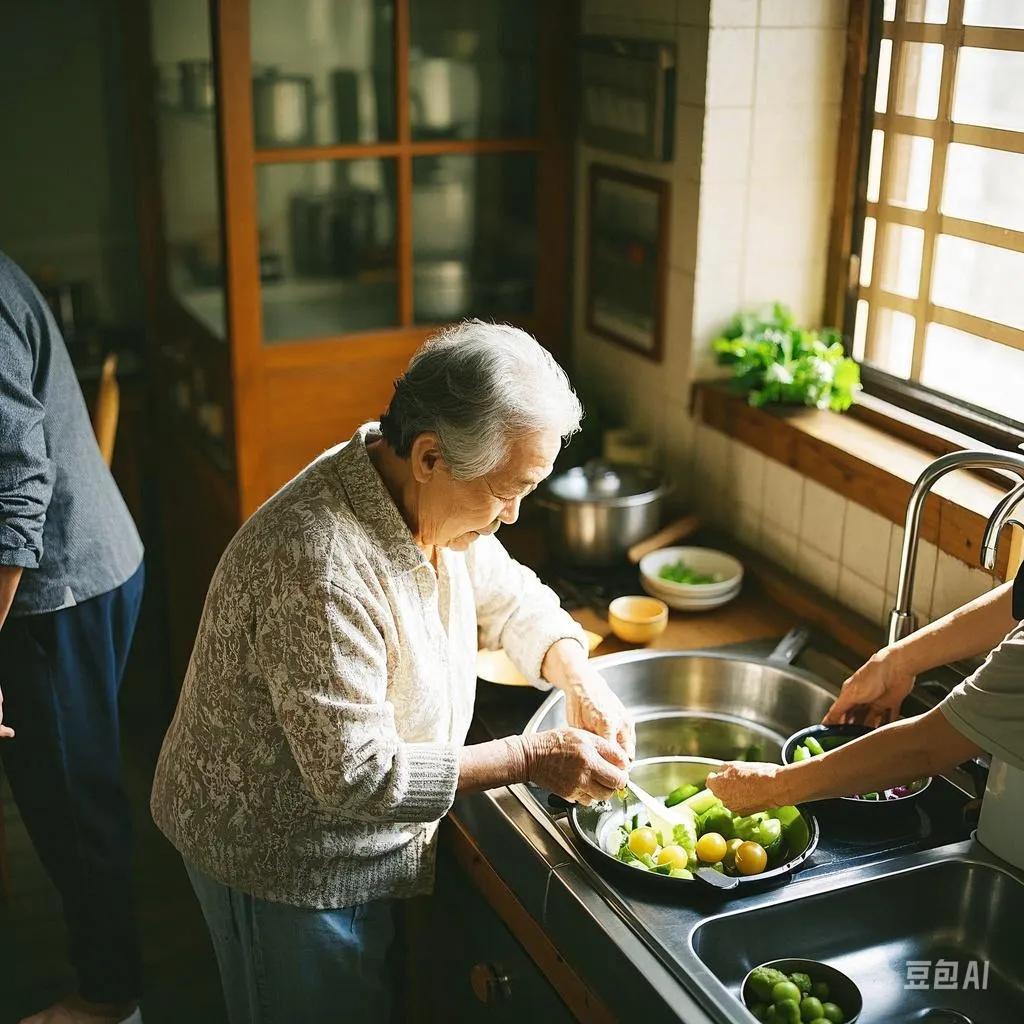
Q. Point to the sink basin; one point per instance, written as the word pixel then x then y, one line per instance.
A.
pixel 705 705
pixel 957 911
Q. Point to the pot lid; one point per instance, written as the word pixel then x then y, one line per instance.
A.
pixel 603 481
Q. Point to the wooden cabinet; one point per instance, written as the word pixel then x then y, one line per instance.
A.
pixel 463 964
pixel 330 180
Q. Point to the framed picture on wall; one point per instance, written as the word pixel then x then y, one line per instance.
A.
pixel 627 259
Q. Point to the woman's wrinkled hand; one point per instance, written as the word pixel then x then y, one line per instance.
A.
pixel 591 704
pixel 748 786
pixel 576 765
pixel 873 695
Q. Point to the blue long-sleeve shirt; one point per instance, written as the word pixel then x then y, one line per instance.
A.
pixel 62 518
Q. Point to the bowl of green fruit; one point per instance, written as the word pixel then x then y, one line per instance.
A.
pixel 798 991
pixel 816 740
pixel 688 844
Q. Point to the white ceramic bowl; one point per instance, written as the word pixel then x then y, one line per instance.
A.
pixel 703 560
pixel 690 604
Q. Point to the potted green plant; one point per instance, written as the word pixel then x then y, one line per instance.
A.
pixel 776 362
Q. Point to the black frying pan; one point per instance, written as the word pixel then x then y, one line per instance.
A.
pixel 660 775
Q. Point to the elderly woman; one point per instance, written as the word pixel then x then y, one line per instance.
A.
pixel 320 731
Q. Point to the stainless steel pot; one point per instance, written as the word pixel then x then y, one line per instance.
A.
pixel 282 108
pixel 598 511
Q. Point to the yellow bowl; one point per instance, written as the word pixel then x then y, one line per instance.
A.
pixel 637 620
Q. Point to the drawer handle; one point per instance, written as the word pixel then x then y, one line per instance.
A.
pixel 490 983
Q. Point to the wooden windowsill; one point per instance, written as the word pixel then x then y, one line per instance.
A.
pixel 856 457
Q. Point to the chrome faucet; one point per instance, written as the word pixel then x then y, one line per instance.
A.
pixel 901 618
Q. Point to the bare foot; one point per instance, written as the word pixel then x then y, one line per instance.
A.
pixel 76 1010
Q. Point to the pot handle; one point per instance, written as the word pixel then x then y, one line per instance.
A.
pixel 791 646
pixel 716 880
pixel 679 529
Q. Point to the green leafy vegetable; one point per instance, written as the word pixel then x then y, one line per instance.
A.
pixel 775 361
pixel 680 572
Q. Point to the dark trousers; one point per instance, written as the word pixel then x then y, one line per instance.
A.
pixel 60 673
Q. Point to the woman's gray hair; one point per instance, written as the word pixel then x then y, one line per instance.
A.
pixel 479 386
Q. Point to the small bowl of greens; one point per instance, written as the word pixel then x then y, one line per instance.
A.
pixel 691 572
pixel 801 991
pixel 816 740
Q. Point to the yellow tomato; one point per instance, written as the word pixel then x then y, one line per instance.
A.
pixel 729 860
pixel 642 840
pixel 751 859
pixel 674 856
pixel 711 848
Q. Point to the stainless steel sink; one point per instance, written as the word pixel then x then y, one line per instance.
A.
pixel 961 911
pixel 705 705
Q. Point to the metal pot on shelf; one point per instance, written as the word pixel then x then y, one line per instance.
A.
pixel 195 79
pixel 598 511
pixel 282 109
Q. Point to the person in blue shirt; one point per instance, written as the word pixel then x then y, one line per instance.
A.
pixel 71 580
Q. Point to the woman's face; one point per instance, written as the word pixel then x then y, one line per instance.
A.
pixel 453 513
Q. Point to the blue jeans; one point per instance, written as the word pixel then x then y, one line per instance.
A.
pixel 281 964
pixel 61 674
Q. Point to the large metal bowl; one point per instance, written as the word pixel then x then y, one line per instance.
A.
pixel 700 704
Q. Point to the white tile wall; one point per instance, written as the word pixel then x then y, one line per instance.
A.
pixel 924 576
pixel 780 545
pixel 748 525
pixel 749 468
pixel 818 569
pixel 801 286
pixel 730 67
pixel 799 65
pixel 863 596
pixel 788 13
pixel 787 224
pixel 956 584
pixel 733 13
pixel 866 539
pixel 722 222
pixel 726 155
pixel 716 301
pixel 783 496
pixel 821 520
pixel 795 143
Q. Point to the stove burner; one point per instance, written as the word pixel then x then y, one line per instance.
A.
pixel 592 588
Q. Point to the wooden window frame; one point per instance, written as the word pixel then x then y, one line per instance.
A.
pixel 865 32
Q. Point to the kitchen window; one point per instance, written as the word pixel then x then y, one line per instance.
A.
pixel 934 301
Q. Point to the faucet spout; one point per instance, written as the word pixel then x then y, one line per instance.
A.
pixel 1000 517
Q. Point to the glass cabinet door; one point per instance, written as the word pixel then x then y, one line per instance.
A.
pixel 473 69
pixel 474 235
pixel 189 164
pixel 327 247
pixel 323 72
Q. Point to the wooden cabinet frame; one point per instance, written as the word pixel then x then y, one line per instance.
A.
pixel 267 380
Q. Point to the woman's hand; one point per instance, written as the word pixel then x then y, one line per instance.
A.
pixel 576 765
pixel 748 786
pixel 873 694
pixel 591 704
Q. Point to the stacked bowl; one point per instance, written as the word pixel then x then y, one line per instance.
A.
pixel 725 571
